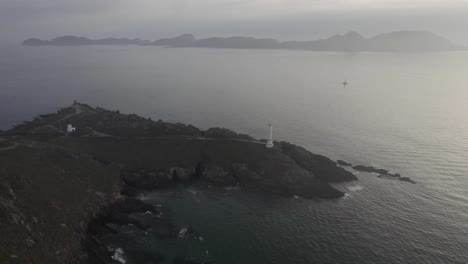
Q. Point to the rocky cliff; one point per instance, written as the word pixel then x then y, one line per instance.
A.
pixel 53 182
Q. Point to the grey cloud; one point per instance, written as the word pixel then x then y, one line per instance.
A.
pixel 283 19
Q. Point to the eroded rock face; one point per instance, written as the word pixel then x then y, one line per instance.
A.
pixel 242 173
pixel 123 216
pixel 182 174
pixel 136 180
pixel 219 176
pixel 290 182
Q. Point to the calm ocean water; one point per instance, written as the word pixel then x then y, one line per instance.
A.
pixel 404 112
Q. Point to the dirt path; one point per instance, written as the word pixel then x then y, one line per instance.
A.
pixel 16 144
pixel 77 112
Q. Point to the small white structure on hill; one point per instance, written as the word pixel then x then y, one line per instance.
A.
pixel 269 143
pixel 70 128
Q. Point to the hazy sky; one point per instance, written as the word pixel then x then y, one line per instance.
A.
pixel 282 19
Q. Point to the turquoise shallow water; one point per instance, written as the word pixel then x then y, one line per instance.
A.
pixel 242 227
pixel 403 112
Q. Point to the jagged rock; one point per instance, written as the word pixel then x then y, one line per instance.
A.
pixel 389 175
pixel 134 205
pixel 30 243
pixel 146 179
pixel 382 173
pixel 344 163
pixel 219 176
pixel 242 172
pixel 120 213
pixel 181 174
pixel 126 215
pixel 7 191
pixel 370 169
pixel 407 179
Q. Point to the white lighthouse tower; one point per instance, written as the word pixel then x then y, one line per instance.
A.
pixel 269 143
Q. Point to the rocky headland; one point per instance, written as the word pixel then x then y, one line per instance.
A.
pixel 63 191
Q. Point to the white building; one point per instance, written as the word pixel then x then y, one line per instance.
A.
pixel 70 128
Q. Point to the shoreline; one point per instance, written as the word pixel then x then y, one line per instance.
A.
pixel 75 179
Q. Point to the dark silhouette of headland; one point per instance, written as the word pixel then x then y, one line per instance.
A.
pixel 80 183
pixel 399 41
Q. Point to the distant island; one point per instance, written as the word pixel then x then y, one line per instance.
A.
pixel 403 41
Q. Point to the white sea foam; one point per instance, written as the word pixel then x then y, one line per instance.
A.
pixel 119 256
pixel 355 188
pixel 143 197
pixel 232 188
pixel 182 232
pixel 192 191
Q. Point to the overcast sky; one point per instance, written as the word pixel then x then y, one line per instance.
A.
pixel 282 19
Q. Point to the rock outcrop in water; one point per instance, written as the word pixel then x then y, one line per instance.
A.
pixel 370 169
pixel 383 173
pixel 54 183
pixel 124 215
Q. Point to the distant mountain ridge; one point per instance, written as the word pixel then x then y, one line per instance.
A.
pixel 351 41
pixel 81 41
